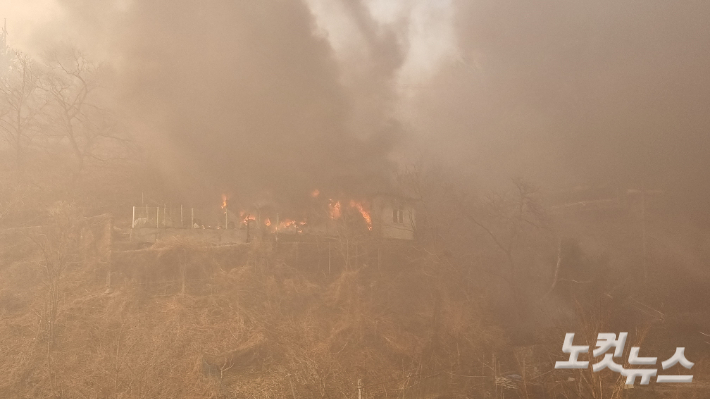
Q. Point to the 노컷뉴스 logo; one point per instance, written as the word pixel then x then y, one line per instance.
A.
pixel 606 341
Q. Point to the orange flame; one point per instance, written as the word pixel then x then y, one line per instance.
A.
pixel 267 222
pixel 334 209
pixel 224 201
pixel 365 214
pixel 315 193
pixel 292 225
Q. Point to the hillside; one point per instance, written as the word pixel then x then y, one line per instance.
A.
pixel 87 315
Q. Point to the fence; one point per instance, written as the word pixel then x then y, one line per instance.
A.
pixel 182 217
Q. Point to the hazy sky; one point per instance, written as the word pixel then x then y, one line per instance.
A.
pixel 25 17
pixel 564 92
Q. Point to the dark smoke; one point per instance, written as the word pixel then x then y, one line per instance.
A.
pixel 242 97
pixel 576 92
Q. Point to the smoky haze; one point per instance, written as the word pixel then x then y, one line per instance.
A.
pixel 245 97
pixel 352 198
pixel 240 98
pixel 573 93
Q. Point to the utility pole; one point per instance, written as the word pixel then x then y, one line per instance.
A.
pixel 4 36
pixel 4 51
pixel 643 235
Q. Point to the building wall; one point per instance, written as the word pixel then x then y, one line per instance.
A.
pixel 393 218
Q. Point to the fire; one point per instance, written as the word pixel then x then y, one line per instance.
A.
pixel 291 225
pixel 267 222
pixel 287 223
pixel 315 193
pixel 224 201
pixel 334 209
pixel 365 214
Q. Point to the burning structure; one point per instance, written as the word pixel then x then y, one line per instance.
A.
pixel 393 216
pixel 384 216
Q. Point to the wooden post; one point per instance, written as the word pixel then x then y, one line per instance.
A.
pixel 482 385
pixel 379 256
pixel 133 221
pixel 495 374
pixel 359 388
pixel 183 268
pixel 109 249
pixel 248 228
pixel 192 218
pixel 164 225
pixel 357 255
pixel 293 391
pixel 226 218
pixel 157 217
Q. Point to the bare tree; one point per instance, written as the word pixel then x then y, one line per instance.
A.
pixel 504 218
pixel 81 118
pixel 22 102
pixel 509 224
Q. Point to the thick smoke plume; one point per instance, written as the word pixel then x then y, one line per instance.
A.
pixel 258 98
pixel 577 93
pixel 240 97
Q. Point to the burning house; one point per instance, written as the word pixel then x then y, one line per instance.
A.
pixel 393 216
pixel 382 215
pixel 385 216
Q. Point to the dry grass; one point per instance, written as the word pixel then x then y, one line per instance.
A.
pixel 185 320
